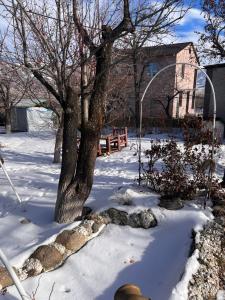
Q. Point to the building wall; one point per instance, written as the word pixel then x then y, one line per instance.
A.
pixel 163 85
pixel 186 82
pixel 217 76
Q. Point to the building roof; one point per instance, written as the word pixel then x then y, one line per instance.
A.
pixel 222 65
pixel 168 49
pixel 29 102
pixel 162 50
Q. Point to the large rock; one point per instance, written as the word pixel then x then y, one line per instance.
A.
pixel 144 219
pixel 72 240
pixel 49 257
pixel 116 216
pixel 5 278
pixel 171 204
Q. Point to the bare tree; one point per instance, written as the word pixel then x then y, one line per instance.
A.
pixel 49 44
pixel 212 40
pixel 67 45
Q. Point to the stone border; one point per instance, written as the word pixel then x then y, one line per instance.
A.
pixel 51 256
pixel 207 281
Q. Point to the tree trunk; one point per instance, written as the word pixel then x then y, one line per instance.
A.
pixel 58 142
pixel 77 192
pixel 74 191
pixel 8 127
pixel 69 152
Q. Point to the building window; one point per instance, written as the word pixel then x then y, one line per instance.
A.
pixel 187 104
pixel 152 69
pixel 180 98
pixel 182 71
pixel 193 101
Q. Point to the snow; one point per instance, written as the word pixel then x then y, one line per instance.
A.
pixel 155 259
pixel 180 292
pixel 221 295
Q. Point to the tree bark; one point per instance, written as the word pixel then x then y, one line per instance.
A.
pixel 8 127
pixel 69 152
pixel 74 189
pixel 58 142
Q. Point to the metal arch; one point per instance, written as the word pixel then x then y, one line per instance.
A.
pixel 145 91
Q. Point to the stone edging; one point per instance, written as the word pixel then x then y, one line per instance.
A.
pixel 210 276
pixel 51 256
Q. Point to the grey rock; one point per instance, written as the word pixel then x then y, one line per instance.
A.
pixel 144 219
pixel 116 216
pixel 171 204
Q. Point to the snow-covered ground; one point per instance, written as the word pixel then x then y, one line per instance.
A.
pixel 154 259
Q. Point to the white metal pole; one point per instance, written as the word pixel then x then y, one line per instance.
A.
pixel 214 106
pixel 15 279
pixel 10 182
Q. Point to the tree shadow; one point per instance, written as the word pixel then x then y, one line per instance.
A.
pixel 162 263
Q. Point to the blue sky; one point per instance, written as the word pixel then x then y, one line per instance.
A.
pixel 192 22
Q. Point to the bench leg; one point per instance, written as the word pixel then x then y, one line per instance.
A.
pixel 119 145
pixel 108 146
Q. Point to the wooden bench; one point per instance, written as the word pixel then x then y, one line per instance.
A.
pixel 111 142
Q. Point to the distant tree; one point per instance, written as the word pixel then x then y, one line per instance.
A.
pixel 212 40
pixel 14 84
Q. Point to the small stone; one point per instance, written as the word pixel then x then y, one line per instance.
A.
pixel 32 267
pixel 86 211
pixel 99 219
pixel 96 227
pixel 25 221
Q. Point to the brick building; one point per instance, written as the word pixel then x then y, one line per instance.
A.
pixel 178 82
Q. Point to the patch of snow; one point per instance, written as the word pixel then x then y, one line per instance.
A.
pixel 221 295
pixel 180 292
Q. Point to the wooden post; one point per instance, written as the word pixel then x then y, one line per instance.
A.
pixel 108 146
pixel 126 138
pixel 119 146
pixel 99 149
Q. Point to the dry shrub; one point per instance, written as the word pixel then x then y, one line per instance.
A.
pixel 182 172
